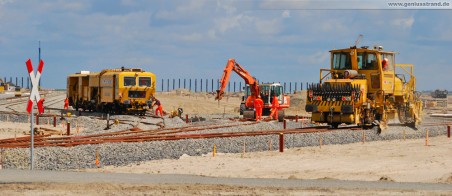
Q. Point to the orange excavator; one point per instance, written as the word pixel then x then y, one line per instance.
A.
pixel 252 89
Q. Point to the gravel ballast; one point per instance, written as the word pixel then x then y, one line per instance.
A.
pixel 119 154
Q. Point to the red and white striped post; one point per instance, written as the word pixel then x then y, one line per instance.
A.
pixel 34 97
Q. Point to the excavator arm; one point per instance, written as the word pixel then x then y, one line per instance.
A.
pixel 234 66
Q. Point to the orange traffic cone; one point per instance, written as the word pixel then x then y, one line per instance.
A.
pixel 97 158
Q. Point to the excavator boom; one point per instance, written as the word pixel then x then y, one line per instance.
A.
pixel 234 66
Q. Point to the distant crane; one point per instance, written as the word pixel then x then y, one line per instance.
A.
pixel 360 36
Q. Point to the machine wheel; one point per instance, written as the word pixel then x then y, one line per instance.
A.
pixel 249 114
pixel 180 111
pixel 377 129
pixel 281 115
pixel 413 124
pixel 242 108
pixel 402 114
pixel 335 125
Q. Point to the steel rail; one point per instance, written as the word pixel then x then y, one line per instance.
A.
pixel 77 140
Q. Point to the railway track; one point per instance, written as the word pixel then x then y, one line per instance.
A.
pixel 162 134
pixel 166 134
pixel 9 104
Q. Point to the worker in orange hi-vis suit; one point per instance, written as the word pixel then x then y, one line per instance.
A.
pixel 258 105
pixel 275 107
pixel 159 107
pixel 66 103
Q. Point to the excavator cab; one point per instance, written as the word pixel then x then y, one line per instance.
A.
pixel 267 91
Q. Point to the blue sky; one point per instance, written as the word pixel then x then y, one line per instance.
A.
pixel 195 38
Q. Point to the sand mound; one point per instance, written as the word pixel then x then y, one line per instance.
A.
pixel 387 179
pixel 447 178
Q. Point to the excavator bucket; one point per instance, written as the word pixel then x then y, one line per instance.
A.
pixel 219 95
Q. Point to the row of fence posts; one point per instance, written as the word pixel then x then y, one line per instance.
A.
pixel 17 81
pixel 191 84
pixel 206 85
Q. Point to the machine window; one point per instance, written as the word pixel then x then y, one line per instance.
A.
pixel 341 61
pixel 360 58
pixel 129 81
pixel 144 81
pixel 369 61
pixel 387 62
pixel 265 93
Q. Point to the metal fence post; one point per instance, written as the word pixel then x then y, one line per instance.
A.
pixel 285 87
pixel 290 87
pixel 281 142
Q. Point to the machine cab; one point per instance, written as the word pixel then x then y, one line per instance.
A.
pixel 267 91
pixel 375 65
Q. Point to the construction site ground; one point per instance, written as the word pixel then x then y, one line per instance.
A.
pixel 395 167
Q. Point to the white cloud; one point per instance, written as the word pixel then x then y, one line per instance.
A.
pixel 286 14
pixel 183 10
pixel 269 27
pixel 318 58
pixel 193 37
pixel 192 6
pixel 278 4
pixel 188 32
pixel 3 2
pixel 129 2
pixel 62 5
pixel 404 23
pixel 227 6
pixel 234 22
pixel 212 33
pixel 336 25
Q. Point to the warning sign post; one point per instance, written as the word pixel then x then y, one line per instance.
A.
pixel 34 97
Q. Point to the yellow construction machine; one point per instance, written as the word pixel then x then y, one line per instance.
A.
pixel 2 86
pixel 363 88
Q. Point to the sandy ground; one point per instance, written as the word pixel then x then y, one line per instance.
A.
pixel 198 103
pixel 12 129
pixel 400 161
pixel 205 103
